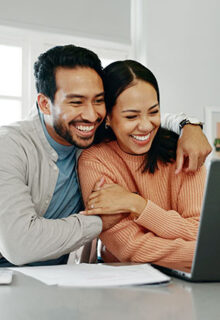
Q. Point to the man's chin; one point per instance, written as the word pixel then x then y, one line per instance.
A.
pixel 84 143
pixel 83 146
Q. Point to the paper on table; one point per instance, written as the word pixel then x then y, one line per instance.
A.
pixel 95 275
pixel 5 276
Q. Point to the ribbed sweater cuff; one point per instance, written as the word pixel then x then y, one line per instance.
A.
pixel 152 217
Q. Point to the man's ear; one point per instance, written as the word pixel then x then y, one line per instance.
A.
pixel 44 103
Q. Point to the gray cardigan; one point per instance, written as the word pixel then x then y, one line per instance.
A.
pixel 28 176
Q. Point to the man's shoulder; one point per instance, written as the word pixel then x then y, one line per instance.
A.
pixel 18 132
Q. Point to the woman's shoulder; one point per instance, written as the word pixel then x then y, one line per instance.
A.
pixel 101 150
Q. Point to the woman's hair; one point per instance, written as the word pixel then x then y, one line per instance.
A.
pixel 118 76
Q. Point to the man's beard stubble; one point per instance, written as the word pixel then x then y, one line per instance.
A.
pixel 65 134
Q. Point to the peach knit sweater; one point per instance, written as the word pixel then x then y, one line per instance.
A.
pixel 166 230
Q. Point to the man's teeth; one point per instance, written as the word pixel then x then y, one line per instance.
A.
pixel 85 128
pixel 141 138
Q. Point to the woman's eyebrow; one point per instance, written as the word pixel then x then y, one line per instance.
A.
pixel 138 111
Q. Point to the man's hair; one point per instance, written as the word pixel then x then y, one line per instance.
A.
pixel 68 56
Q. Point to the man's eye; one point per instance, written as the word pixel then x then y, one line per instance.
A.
pixel 98 101
pixel 131 117
pixel 75 102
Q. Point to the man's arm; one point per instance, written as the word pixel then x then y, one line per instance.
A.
pixel 193 146
pixel 25 236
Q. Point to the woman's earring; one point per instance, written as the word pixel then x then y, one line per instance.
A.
pixel 106 126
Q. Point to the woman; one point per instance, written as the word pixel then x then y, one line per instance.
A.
pixel 137 161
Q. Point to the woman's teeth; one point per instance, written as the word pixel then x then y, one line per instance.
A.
pixel 141 138
pixel 85 128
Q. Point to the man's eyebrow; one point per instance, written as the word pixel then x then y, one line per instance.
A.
pixel 138 111
pixel 100 94
pixel 73 95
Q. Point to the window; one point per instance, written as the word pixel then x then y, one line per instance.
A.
pixel 19 49
pixel 10 83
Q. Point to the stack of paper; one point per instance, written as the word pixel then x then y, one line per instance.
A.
pixel 95 275
pixel 5 276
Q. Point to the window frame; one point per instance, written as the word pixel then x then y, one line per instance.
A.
pixel 33 43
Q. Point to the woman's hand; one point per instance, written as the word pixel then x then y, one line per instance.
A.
pixel 114 199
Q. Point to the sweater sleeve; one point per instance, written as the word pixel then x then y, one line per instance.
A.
pixel 127 241
pixel 182 222
pixel 164 237
pixel 91 171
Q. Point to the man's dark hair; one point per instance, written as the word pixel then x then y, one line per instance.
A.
pixel 68 56
pixel 118 76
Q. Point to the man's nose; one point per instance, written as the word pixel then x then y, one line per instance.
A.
pixel 90 113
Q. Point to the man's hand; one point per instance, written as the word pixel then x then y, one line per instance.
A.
pixel 108 221
pixel 192 149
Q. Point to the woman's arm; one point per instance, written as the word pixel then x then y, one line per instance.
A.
pixel 128 242
pixel 158 236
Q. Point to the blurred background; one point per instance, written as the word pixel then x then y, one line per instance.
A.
pixel 178 40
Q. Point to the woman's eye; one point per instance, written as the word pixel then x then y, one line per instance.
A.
pixel 154 112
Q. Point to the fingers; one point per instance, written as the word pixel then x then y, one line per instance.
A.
pixel 102 211
pixel 188 164
pixel 94 203
pixel 179 161
pixel 93 195
pixel 97 192
pixel 99 184
pixel 90 212
pixel 201 161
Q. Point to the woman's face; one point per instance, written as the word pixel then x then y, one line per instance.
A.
pixel 135 118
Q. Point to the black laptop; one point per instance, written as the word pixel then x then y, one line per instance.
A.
pixel 206 260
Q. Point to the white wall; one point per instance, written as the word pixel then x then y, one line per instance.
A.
pixel 100 19
pixel 183 50
pixel 180 39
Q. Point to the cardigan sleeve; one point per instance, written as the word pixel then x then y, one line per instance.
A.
pixel 25 236
pixel 172 121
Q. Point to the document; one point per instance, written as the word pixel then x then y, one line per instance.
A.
pixel 95 275
pixel 5 276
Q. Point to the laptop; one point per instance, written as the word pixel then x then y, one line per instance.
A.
pixel 206 260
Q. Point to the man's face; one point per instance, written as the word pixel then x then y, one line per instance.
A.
pixel 78 107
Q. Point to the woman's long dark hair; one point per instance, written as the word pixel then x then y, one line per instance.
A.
pixel 117 77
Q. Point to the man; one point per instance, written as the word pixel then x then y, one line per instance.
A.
pixel 39 191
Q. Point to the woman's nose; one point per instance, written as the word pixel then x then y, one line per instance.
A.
pixel 144 125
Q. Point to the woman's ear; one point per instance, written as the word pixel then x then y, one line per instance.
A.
pixel 107 121
pixel 44 103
